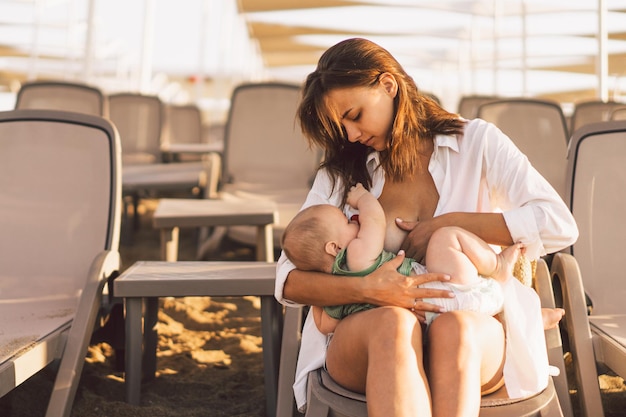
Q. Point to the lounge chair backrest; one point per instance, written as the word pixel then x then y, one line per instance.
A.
pixel 538 129
pixel 183 124
pixel 62 95
pixel 619 113
pixel 593 111
pixel 263 143
pixel 56 198
pixel 468 105
pixel 597 197
pixel 139 119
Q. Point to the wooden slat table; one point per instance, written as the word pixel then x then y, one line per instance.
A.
pixel 146 281
pixel 174 213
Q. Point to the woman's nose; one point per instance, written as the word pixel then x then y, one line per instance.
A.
pixel 352 132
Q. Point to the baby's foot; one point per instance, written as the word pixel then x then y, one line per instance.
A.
pixel 506 261
pixel 551 317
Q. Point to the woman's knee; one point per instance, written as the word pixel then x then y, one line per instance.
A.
pixel 467 335
pixel 390 335
pixel 396 326
pixel 454 329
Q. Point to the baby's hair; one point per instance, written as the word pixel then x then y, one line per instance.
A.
pixel 303 239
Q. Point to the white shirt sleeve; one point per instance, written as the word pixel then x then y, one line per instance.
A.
pixel 534 212
pixel 321 193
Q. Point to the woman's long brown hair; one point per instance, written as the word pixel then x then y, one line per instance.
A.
pixel 358 63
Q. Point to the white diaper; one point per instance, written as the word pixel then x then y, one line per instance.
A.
pixel 484 296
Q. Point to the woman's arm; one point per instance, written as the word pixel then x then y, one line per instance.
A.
pixel 490 227
pixel 385 286
pixel 490 174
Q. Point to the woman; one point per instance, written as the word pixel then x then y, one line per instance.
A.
pixel 428 168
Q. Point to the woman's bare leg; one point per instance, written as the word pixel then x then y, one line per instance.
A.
pixel 466 351
pixel 379 352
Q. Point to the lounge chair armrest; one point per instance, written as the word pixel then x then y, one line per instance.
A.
pixel 566 272
pixel 105 265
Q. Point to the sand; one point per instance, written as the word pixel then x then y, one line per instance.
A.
pixel 209 359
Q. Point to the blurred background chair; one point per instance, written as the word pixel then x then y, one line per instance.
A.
pixel 62 95
pixel 538 129
pixel 265 156
pixel 468 105
pixel 619 114
pixel 183 126
pixel 139 119
pixel 592 111
pixel 597 197
pixel 60 191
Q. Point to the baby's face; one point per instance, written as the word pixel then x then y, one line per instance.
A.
pixel 346 229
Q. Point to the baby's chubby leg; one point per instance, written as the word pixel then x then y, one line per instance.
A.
pixel 460 254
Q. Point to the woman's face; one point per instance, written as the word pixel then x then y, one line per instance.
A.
pixel 366 113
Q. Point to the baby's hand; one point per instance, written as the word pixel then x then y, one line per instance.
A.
pixel 356 192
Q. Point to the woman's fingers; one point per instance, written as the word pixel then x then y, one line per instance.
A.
pixel 430 277
pixel 420 293
pixel 405 225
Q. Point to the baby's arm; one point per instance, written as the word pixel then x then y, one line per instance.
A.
pixel 365 249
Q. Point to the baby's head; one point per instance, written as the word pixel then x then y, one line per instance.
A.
pixel 305 237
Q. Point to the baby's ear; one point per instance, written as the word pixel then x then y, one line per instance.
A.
pixel 332 248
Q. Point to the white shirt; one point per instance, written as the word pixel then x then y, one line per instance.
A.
pixel 479 171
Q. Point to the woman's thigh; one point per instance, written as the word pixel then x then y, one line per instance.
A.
pixel 389 334
pixel 468 336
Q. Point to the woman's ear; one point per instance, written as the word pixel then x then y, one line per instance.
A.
pixel 389 83
pixel 332 248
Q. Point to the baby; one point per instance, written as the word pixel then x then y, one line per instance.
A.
pixel 321 238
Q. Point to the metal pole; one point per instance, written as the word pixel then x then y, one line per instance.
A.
pixel 496 23
pixel 602 61
pixel 524 52
pixel 89 47
pixel 204 37
pixel 145 76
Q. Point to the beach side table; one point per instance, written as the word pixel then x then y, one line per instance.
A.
pixel 149 280
pixel 173 213
pixel 140 285
pixel 158 177
pixel 192 148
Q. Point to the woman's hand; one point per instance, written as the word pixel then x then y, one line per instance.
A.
pixel 386 286
pixel 417 239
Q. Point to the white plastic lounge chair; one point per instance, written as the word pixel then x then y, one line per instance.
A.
pixel 468 105
pixel 183 126
pixel 60 220
pixel 326 398
pixel 593 111
pixel 62 95
pixel 265 154
pixel 619 114
pixel 140 120
pixel 596 184
pixel 538 129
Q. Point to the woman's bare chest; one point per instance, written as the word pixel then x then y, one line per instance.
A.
pixel 411 199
